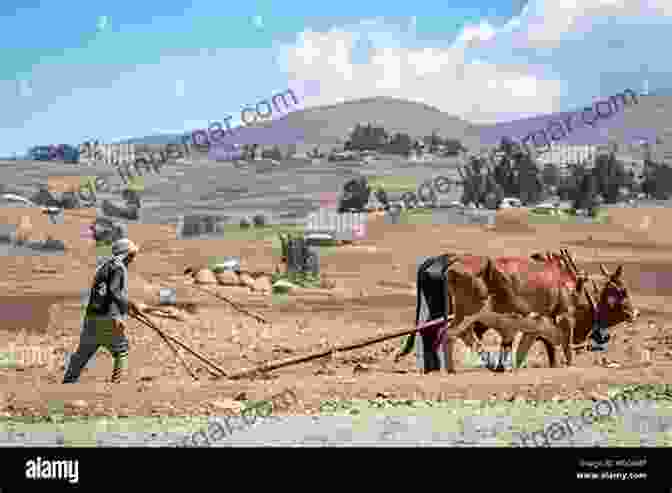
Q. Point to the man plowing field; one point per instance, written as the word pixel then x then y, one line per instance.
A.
pixel 106 314
pixel 540 286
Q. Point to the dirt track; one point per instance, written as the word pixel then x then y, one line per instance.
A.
pixel 374 293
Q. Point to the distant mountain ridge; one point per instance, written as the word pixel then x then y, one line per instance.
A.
pixel 330 125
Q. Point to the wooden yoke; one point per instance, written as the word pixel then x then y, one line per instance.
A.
pixel 581 284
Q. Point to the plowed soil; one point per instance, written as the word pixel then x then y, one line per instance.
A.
pixel 374 293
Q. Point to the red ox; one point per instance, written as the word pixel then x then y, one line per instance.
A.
pixel 541 285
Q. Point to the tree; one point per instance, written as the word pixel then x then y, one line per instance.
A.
pixel 356 194
pixel 530 186
pixel 453 147
pixel 367 138
pixel 657 181
pixel 587 193
pixel 274 153
pixel 610 176
pixel 399 144
pixel 551 175
pixel 259 220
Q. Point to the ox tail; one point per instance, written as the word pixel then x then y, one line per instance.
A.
pixel 448 260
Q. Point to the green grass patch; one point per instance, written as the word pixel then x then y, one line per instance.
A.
pixel 302 279
pixel 416 216
pixel 261 233
pixel 462 416
pixel 479 421
pixel 602 217
pixel 394 184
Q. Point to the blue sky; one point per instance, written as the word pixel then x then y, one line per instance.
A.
pixel 76 70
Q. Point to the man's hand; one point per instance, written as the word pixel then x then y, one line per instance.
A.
pixel 119 327
pixel 135 308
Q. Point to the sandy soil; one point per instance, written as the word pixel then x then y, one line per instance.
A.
pixel 374 293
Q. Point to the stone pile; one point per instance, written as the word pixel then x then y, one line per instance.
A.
pixel 260 283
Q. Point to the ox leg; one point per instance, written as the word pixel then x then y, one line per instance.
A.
pixel 567 325
pixel 448 348
pixel 523 348
pixel 550 351
pixel 505 356
pixel 472 338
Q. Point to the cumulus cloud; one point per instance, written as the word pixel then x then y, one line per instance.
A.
pixel 488 73
pixel 549 21
pixel 426 75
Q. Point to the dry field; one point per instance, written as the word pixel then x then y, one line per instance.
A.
pixel 374 293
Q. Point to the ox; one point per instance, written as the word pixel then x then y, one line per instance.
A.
pixel 538 286
pixel 545 286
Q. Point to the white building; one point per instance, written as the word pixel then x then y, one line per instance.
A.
pixel 564 154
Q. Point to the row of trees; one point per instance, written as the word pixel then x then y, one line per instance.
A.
pixel 487 180
pixel 372 138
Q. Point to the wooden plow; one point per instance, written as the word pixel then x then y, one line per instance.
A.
pixel 218 372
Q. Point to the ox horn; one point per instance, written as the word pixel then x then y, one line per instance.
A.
pixel 604 271
pixel 619 272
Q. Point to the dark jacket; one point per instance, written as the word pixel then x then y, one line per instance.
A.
pixel 117 291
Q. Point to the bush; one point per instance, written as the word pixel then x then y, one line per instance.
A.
pixel 245 223
pixel 259 221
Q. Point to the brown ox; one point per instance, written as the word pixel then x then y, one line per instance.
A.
pixel 547 286
pixel 612 308
pixel 532 287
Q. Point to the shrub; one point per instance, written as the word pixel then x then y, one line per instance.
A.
pixel 245 223
pixel 259 221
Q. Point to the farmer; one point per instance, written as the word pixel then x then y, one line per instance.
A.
pixel 106 313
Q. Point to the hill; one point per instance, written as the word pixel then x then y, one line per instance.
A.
pixel 329 125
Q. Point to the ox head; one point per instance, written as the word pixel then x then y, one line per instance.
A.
pixel 614 304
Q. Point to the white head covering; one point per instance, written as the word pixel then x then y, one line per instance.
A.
pixel 123 246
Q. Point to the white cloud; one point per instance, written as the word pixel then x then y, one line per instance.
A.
pixel 258 22
pixel 424 75
pixel 472 35
pixel 487 73
pixel 553 19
